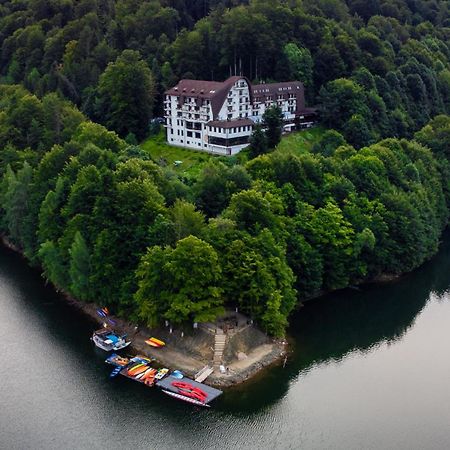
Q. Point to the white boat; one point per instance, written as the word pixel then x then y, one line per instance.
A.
pixel 108 340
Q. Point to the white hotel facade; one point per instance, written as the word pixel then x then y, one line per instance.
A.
pixel 218 117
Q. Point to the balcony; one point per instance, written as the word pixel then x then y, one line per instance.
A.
pixel 193 126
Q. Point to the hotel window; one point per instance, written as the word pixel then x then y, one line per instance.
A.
pixel 189 134
pixel 197 135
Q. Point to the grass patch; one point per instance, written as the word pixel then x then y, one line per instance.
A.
pixel 300 141
pixel 192 161
pixel 164 154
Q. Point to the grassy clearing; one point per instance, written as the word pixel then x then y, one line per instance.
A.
pixel 300 141
pixel 191 160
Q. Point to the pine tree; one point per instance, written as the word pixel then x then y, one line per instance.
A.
pixel 258 142
pixel 273 120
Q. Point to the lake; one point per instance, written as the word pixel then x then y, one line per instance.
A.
pixel 370 369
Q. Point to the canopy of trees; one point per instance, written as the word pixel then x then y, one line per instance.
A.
pixel 107 223
pixel 110 226
pixel 378 69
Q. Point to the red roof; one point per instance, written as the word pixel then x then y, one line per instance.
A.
pixel 288 87
pixel 284 89
pixel 215 91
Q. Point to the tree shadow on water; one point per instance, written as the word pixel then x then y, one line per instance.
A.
pixel 329 328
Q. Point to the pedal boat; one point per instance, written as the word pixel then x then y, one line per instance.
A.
pixel 108 340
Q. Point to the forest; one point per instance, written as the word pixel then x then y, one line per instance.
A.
pixel 81 81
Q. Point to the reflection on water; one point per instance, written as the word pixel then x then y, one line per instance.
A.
pixel 327 329
pixel 359 358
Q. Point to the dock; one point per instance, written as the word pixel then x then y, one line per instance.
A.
pixel 193 391
pixel 167 383
pixel 203 374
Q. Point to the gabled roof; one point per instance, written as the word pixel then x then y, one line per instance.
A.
pixel 284 89
pixel 288 87
pixel 215 91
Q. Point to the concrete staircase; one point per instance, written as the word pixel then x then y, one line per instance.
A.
pixel 219 347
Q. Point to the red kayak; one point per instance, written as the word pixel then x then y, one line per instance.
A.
pixel 188 390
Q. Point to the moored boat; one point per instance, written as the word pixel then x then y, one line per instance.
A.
pixel 161 374
pixel 117 360
pixel 108 340
pixel 154 342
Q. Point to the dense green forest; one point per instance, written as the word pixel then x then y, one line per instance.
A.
pixel 378 68
pixel 81 81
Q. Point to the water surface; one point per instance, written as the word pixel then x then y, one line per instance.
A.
pixel 370 370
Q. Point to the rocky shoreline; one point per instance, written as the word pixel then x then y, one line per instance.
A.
pixel 186 359
pixel 172 357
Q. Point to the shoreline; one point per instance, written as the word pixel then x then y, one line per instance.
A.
pixel 239 371
pixel 170 356
pixel 258 359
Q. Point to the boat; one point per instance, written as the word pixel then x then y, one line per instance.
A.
pixel 185 399
pixel 154 342
pixel 148 378
pixel 137 370
pixel 115 372
pixel 117 360
pixel 177 374
pixel 161 374
pixel 108 340
pixel 188 390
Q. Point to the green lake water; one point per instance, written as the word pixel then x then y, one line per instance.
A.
pixel 370 369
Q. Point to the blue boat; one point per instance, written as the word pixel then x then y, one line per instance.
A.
pixel 108 340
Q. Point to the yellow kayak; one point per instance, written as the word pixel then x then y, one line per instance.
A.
pixel 153 342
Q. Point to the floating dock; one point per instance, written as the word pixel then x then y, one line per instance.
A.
pixel 182 389
pixel 167 383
